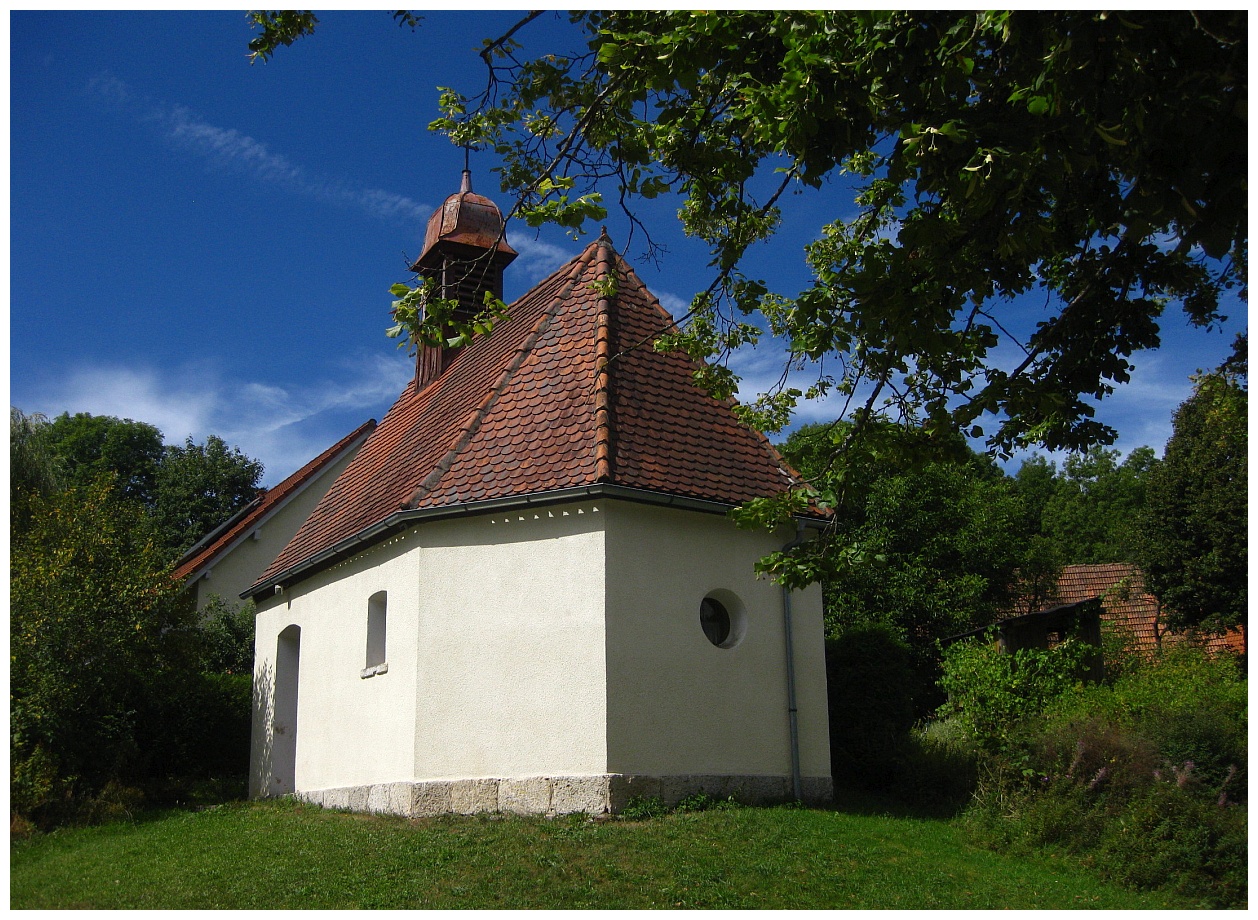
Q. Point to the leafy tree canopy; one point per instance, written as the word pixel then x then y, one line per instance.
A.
pixel 1092 163
pixel 1195 529
pixel 1097 159
pixel 198 487
pixel 923 550
pixel 91 446
pixel 34 471
pixel 94 614
pixel 939 551
pixel 1090 514
pixel 187 490
pixel 112 678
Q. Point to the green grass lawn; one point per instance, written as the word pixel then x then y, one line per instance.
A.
pixel 285 855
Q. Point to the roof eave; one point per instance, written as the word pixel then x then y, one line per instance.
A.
pixel 262 505
pixel 402 519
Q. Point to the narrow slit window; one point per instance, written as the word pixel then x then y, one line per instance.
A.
pixel 377 623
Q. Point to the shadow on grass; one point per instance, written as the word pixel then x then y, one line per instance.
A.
pixel 855 801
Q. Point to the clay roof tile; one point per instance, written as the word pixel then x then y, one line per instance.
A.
pixel 567 391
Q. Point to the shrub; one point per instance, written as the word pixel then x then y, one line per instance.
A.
pixel 991 693
pixel 939 766
pixel 197 726
pixel 1185 706
pixel 226 636
pixel 870 679
pixel 1140 777
pixel 1167 837
pixel 94 614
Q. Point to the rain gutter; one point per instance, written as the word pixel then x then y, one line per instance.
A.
pixel 792 708
pixel 408 517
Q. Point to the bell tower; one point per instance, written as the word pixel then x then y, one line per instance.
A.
pixel 465 252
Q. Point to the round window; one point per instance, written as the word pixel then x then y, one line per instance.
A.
pixel 714 619
pixel 722 620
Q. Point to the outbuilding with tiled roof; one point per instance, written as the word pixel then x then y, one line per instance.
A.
pixel 524 593
pixel 1129 607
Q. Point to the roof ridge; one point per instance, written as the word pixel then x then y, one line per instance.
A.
pixel 476 417
pixel 603 449
pixel 792 476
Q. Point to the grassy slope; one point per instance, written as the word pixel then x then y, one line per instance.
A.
pixel 282 855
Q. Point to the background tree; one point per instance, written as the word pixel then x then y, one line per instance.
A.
pixel 931 551
pixel 198 487
pixel 1035 483
pixel 187 490
pixel 33 468
pixel 997 153
pixel 89 446
pixel 94 615
pixel 1090 516
pixel 1194 536
pixel 118 691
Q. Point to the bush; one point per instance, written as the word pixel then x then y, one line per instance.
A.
pixel 114 694
pixel 196 728
pixel 1144 778
pixel 94 614
pixel 1166 837
pixel 226 636
pixel 1184 707
pixel 939 766
pixel 870 679
pixel 991 693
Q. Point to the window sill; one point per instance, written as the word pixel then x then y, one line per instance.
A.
pixel 374 670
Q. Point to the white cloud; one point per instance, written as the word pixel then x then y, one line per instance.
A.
pixel 676 306
pixel 537 258
pixel 229 148
pixel 283 426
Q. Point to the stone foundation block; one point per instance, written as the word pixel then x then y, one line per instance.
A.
pixel 767 790
pixel 675 788
pixel 428 800
pixel 474 796
pixel 524 796
pixel 401 798
pixel 540 795
pixel 625 787
pixel 818 790
pixel 357 798
pixel 572 794
pixel 335 798
pixel 378 798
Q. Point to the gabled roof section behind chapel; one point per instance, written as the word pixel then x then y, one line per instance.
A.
pixel 567 393
pixel 214 544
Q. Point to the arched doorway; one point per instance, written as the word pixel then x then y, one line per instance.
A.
pixel 284 719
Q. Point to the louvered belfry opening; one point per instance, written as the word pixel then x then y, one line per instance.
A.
pixel 465 253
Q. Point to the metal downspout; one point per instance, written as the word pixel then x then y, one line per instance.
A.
pixel 797 782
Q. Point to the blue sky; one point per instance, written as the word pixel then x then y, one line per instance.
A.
pixel 207 246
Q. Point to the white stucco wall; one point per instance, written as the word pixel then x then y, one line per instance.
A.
pixel 495 651
pixel 237 568
pixel 561 641
pixel 350 730
pixel 677 704
pixel 511 655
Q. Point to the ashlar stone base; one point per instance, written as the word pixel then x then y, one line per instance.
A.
pixel 607 793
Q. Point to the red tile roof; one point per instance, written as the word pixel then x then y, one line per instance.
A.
pixel 566 393
pixel 217 542
pixel 1127 603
